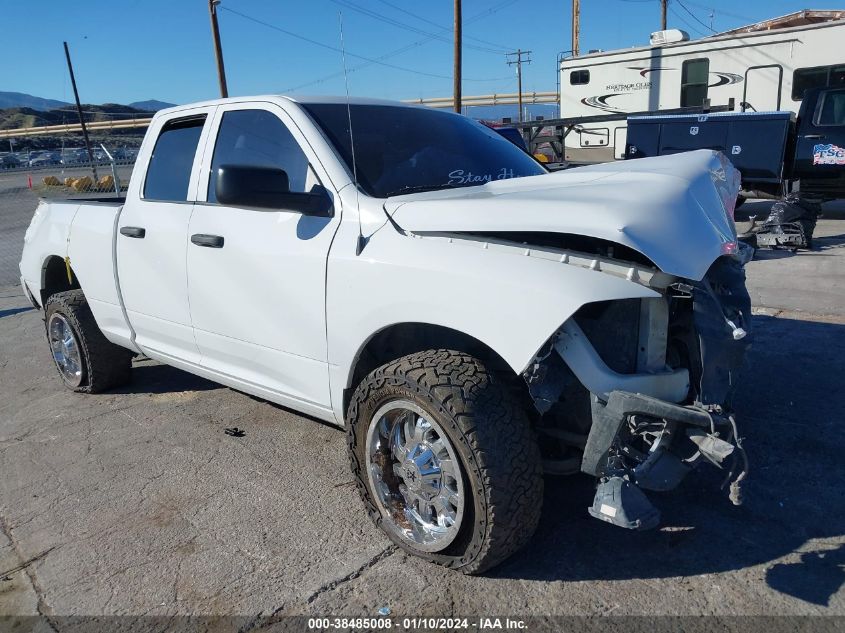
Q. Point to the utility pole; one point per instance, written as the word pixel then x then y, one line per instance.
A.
pixel 663 4
pixel 518 62
pixel 576 27
pixel 218 52
pixel 79 112
pixel 458 46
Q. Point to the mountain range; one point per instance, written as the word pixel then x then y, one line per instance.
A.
pixel 22 100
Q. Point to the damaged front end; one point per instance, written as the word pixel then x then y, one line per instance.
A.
pixel 638 392
pixel 789 225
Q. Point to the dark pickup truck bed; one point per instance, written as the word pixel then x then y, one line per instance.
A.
pixel 773 151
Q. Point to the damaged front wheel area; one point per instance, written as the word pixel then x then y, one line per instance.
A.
pixel 445 459
pixel 639 391
pixel 641 443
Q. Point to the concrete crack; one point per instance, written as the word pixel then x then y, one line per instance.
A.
pixel 262 620
pixel 26 563
pixel 44 610
pixel 334 584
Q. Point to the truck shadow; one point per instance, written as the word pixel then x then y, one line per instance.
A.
pixel 789 406
pixel 151 377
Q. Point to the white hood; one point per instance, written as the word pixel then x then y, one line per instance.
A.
pixel 676 210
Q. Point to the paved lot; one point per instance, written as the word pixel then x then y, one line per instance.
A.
pixel 137 502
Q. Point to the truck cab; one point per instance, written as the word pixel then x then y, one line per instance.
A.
pixel 819 155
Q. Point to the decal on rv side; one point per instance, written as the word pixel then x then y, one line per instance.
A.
pixel 725 79
pixel 644 70
pixel 600 101
pixel 828 154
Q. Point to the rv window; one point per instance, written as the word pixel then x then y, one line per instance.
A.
pixel 694 77
pixel 819 77
pixel 579 77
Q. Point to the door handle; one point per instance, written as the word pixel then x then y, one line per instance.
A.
pixel 814 136
pixel 133 231
pixel 210 241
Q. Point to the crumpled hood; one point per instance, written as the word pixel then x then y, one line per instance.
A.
pixel 676 210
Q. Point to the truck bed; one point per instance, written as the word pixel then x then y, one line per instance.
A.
pixel 110 201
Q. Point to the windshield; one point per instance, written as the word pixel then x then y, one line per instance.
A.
pixel 402 150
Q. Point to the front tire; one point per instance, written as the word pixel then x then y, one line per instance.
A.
pixel 87 361
pixel 445 459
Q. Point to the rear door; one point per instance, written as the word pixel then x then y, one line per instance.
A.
pixel 257 295
pixel 153 235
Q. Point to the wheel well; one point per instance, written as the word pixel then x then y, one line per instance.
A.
pixel 402 339
pixel 54 278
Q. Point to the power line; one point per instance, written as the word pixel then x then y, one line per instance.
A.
pixel 691 26
pixel 440 26
pixel 737 16
pixel 402 25
pixel 694 17
pixel 518 62
pixel 337 50
pixel 478 16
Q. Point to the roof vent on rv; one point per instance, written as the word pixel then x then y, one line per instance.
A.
pixel 668 36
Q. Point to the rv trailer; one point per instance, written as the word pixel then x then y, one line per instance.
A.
pixel 762 67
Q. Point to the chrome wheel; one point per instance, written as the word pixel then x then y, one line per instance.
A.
pixel 415 476
pixel 65 348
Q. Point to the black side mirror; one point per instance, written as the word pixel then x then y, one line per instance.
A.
pixel 268 188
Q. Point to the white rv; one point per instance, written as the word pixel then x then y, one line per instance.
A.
pixel 766 66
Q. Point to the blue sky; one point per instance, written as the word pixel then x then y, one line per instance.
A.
pixel 131 50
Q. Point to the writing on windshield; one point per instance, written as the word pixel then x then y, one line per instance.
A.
pixel 402 149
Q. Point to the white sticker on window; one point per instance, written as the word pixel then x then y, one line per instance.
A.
pixel 608 510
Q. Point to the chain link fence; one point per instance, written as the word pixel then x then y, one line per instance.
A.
pixel 56 168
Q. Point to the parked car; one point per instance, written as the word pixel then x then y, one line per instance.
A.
pixel 8 161
pixel 75 156
pixel 43 160
pixel 471 319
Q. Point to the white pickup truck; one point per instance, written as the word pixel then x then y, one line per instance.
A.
pixel 471 319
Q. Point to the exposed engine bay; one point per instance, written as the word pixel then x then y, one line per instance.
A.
pixel 638 392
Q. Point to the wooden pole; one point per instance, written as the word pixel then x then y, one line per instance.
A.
pixel 79 112
pixel 458 46
pixel 218 51
pixel 576 27
pixel 663 4
pixel 519 81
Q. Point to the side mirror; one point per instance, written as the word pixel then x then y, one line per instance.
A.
pixel 268 188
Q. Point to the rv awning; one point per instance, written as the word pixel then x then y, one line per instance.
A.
pixel 799 18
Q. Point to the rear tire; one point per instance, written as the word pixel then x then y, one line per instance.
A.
pixel 86 360
pixel 447 405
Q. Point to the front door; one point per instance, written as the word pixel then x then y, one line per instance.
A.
pixel 153 234
pixel 820 148
pixel 257 285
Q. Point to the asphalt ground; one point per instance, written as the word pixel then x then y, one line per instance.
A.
pixel 137 503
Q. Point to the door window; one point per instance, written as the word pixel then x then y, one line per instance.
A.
pixel 694 78
pixel 170 166
pixel 257 138
pixel 832 110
